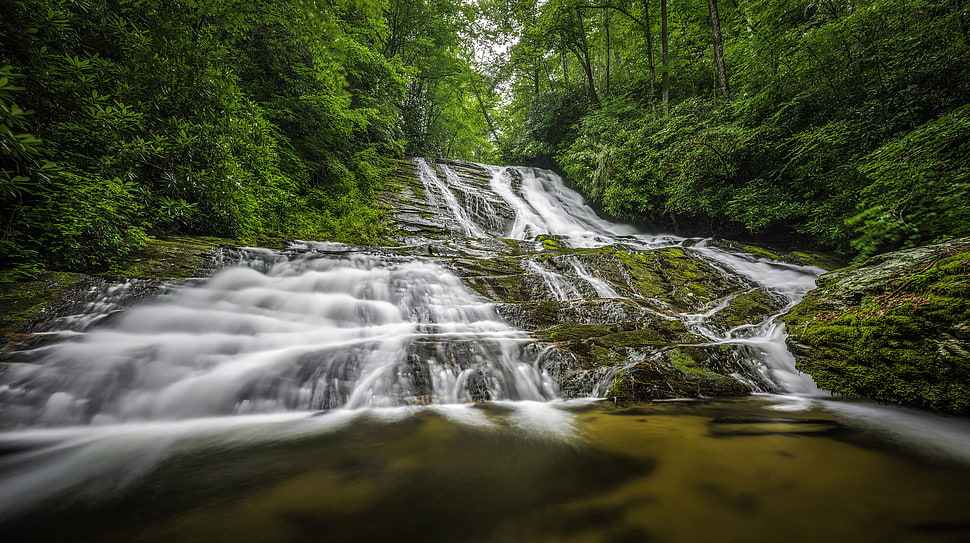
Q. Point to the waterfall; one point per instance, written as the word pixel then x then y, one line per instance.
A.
pixel 452 388
pixel 324 326
pixel 543 204
pixel 317 331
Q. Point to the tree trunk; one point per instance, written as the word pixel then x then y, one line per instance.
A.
pixel 606 21
pixel 722 79
pixel 565 65
pixel 583 56
pixel 646 30
pixel 481 104
pixel 664 58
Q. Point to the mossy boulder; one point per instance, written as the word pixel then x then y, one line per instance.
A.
pixel 893 328
pixel 28 307
pixel 682 372
pixel 21 301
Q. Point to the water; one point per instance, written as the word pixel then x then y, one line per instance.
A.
pixel 313 332
pixel 352 394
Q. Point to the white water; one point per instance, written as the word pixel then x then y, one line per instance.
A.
pixel 544 205
pixel 333 327
pixel 246 357
pixel 310 333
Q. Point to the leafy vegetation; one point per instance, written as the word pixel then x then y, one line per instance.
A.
pixel 122 119
pixel 842 123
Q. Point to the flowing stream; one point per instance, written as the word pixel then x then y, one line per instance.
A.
pixel 330 392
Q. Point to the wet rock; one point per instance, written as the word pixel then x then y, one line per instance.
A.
pixel 74 301
pixel 892 328
pixel 634 346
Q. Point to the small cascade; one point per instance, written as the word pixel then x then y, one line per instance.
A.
pixel 476 204
pixel 767 338
pixel 317 331
pixel 545 206
pixel 439 193
pixel 602 288
pixel 558 285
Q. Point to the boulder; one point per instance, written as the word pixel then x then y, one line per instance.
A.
pixel 893 328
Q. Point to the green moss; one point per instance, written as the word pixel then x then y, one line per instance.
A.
pixel 671 275
pixel 896 340
pixel 172 257
pixel 549 243
pixel 749 307
pixel 19 302
pixel 574 332
pixel 620 389
pixel 761 251
pixel 686 364
pixel 636 338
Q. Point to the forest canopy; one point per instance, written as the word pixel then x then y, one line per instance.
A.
pixel 237 118
pixel 841 123
pixel 837 123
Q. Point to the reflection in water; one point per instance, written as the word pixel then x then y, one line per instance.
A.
pixel 518 471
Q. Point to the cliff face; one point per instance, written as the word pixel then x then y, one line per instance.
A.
pixel 895 328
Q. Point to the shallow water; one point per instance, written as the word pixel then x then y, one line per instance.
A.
pixel 281 401
pixel 760 469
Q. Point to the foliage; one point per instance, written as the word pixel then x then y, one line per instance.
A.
pixel 125 118
pixel 935 158
pixel 845 125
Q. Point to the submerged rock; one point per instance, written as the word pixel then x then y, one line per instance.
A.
pixel 893 328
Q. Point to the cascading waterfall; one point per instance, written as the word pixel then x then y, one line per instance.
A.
pixel 544 205
pixel 368 394
pixel 327 327
pixel 315 332
pixel 602 288
pixel 558 286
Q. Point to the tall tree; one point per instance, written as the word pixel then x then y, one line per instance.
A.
pixel 722 78
pixel 664 58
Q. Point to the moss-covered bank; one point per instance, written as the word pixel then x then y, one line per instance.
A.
pixel 894 328
pixel 24 302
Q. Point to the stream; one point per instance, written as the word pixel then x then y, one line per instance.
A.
pixel 341 393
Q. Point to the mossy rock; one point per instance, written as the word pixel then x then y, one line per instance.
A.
pixel 21 301
pixel 175 257
pixel 749 307
pixel 675 373
pixel 25 304
pixel 892 329
pixel 649 368
pixel 675 277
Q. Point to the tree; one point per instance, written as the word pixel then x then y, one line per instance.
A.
pixel 664 58
pixel 722 78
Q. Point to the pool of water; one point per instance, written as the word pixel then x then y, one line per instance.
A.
pixel 766 468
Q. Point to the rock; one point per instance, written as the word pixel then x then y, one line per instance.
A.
pixel 45 303
pixel 633 348
pixel 632 345
pixel 893 328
